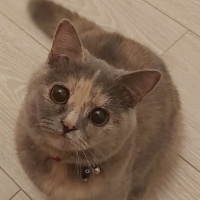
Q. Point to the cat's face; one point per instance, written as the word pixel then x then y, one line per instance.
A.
pixel 79 107
pixel 77 102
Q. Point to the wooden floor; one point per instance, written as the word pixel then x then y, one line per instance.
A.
pixel 169 27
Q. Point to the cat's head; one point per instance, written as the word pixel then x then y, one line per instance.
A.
pixel 77 102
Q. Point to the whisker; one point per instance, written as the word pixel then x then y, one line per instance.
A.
pixel 86 158
pixel 102 166
pixel 84 143
pixel 46 122
pixel 79 167
pixel 76 165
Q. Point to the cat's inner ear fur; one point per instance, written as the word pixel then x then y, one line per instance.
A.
pixel 139 83
pixel 66 43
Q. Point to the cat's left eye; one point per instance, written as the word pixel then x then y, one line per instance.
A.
pixel 59 94
pixel 99 117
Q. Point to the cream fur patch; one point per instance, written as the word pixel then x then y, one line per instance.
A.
pixel 81 95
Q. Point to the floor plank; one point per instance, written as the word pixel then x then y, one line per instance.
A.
pixel 186 12
pixel 183 60
pixel 19 56
pixel 135 19
pixel 20 196
pixel 7 187
pixel 8 158
pixel 181 184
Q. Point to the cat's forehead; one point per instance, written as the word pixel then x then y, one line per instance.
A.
pixel 82 82
pixel 86 90
pixel 88 84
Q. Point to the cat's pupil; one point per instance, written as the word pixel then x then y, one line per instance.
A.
pixel 59 94
pixel 99 117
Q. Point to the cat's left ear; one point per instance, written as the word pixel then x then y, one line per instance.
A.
pixel 66 43
pixel 139 83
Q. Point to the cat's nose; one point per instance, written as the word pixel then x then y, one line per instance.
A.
pixel 67 127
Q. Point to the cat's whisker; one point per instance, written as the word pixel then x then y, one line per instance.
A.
pixel 79 165
pixel 89 164
pixel 75 163
pixel 84 143
pixel 94 162
pixel 101 166
pixel 46 122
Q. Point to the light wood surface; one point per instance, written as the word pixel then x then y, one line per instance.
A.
pixel 165 26
pixel 7 186
pixel 186 12
pixel 135 19
pixel 183 60
pixel 20 196
pixel 181 184
pixel 19 57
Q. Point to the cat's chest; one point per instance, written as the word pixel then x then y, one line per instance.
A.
pixel 65 182
pixel 61 184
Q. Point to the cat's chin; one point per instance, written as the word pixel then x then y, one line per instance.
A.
pixel 62 142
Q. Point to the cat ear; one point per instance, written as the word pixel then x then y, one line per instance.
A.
pixel 66 43
pixel 139 83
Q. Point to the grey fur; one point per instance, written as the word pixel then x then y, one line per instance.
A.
pixel 143 128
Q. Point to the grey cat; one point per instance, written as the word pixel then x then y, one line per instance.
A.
pixel 101 116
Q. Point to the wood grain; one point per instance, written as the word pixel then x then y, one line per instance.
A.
pixel 8 158
pixel 186 12
pixel 7 187
pixel 19 57
pixel 183 60
pixel 20 196
pixel 135 19
pixel 181 184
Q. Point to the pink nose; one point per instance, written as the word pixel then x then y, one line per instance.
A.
pixel 67 124
pixel 68 127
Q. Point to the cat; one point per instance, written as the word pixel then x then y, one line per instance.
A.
pixel 102 115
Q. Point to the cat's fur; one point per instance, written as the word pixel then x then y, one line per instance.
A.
pixel 103 70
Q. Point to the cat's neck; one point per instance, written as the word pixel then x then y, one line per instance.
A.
pixel 89 168
pixel 85 171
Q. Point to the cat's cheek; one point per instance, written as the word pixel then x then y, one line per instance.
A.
pixel 101 134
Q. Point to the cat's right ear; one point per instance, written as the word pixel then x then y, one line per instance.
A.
pixel 66 43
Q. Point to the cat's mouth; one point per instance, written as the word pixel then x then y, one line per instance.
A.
pixel 72 141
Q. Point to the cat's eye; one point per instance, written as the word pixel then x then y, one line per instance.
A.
pixel 59 94
pixel 99 117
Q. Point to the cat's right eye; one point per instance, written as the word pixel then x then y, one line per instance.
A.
pixel 59 94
